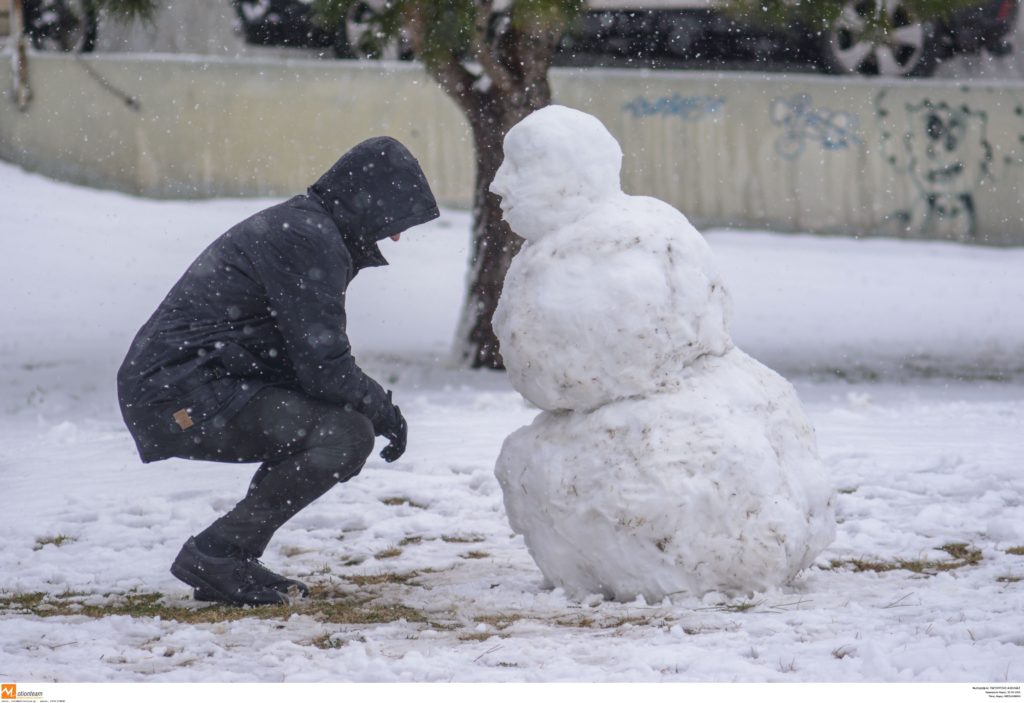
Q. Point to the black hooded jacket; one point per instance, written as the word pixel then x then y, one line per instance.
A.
pixel 264 304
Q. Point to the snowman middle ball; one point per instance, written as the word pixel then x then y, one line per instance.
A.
pixel 614 305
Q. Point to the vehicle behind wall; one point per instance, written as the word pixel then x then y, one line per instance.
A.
pixel 867 37
pixel 61 25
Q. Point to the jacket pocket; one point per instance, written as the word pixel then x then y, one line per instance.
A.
pixel 199 405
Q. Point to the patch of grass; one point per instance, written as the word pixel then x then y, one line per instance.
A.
pixel 962 555
pixel 364 580
pixel 1010 579
pixel 962 552
pixel 734 607
pixel 328 642
pixel 21 602
pixel 740 607
pixel 348 611
pixel 55 540
pixel 389 553
pixel 462 539
pixel 1016 551
pixel 342 613
pixel 476 554
pixel 410 540
pixel 610 624
pixel 846 491
pixel 399 500
pixel 294 551
pixel 787 667
pixel 498 621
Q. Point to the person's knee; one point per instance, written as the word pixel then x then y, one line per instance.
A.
pixel 345 442
pixel 362 437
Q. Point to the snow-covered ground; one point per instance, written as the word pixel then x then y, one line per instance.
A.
pixel 908 358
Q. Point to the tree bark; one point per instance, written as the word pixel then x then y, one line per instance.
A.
pixel 494 243
pixel 22 92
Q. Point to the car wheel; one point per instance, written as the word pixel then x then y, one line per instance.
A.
pixel 61 25
pixel 879 37
pixel 360 37
pixel 251 15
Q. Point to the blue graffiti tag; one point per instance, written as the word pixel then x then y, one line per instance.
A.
pixel 689 108
pixel 831 129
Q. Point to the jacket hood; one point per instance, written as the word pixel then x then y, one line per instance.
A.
pixel 375 190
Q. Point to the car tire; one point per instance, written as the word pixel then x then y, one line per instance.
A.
pixel 251 15
pixel 355 38
pixel 855 44
pixel 61 25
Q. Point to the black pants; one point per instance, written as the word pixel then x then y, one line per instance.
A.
pixel 306 447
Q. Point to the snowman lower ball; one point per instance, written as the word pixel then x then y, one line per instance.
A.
pixel 665 461
pixel 716 486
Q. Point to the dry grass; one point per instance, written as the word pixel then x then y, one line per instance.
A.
pixel 402 579
pixel 389 553
pixel 462 539
pixel 55 540
pixel 400 500
pixel 328 642
pixel 153 605
pixel 1016 551
pixel 961 553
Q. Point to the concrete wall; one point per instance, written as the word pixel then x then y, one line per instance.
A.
pixel 208 127
pixel 935 159
pixel 932 159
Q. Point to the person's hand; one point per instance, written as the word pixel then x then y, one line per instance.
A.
pixel 396 431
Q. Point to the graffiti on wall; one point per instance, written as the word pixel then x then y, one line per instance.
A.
pixel 690 108
pixel 945 151
pixel 802 123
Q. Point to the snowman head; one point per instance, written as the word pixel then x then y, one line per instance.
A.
pixel 559 163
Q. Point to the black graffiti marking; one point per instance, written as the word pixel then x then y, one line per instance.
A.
pixel 944 150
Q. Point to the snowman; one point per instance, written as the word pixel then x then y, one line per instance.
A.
pixel 665 461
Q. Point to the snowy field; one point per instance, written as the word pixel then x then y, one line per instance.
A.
pixel 909 358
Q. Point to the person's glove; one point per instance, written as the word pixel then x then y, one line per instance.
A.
pixel 394 429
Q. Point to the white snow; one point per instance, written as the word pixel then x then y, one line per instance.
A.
pixel 679 465
pixel 926 455
pixel 716 486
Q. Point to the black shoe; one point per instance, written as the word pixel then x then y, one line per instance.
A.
pixel 226 579
pixel 264 577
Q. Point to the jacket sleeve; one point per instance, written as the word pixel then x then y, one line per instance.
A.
pixel 305 280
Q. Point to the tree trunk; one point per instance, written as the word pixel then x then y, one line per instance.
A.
pixel 494 243
pixel 22 92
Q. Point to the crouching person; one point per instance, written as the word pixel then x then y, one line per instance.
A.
pixel 247 360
